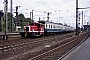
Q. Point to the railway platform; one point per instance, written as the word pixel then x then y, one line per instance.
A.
pixel 2 35
pixel 80 53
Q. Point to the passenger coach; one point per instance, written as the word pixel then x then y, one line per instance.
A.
pixel 51 27
pixel 55 28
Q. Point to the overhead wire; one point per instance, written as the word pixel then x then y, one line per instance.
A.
pixel 37 10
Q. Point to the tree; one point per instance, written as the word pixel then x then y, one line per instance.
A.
pixel 28 20
pixel 21 20
pixel 1 14
pixel 3 24
pixel 8 21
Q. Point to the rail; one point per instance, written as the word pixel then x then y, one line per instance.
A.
pixel 54 50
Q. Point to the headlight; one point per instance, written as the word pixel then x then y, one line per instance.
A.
pixel 25 29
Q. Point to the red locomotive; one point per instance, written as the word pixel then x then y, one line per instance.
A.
pixel 33 29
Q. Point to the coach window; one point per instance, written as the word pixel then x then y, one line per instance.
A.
pixel 46 26
pixel 54 26
pixel 49 26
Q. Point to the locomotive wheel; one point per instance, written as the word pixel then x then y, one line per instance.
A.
pixel 5 37
pixel 1 37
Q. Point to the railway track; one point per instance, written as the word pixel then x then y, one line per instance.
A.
pixel 20 47
pixel 19 40
pixel 8 47
pixel 58 53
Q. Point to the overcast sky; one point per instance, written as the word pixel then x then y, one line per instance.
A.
pixel 60 10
